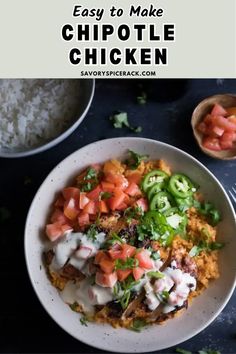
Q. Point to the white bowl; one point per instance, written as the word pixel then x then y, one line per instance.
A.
pixel 203 310
pixel 87 87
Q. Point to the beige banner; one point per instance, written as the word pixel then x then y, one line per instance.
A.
pixel 32 43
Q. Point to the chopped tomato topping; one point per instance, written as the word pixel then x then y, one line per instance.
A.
pixel 223 123
pixel 90 208
pixel 218 110
pixel 59 203
pixel 142 203
pixel 122 251
pixel 117 199
pixel 83 200
pixel 107 186
pixel 106 280
pixel 107 265
pixel 211 143
pixel 102 205
pixel 138 273
pixel 71 209
pixel 118 180
pixel 122 274
pixel 133 189
pixel 95 193
pixel 134 177
pixel 71 192
pixel 227 140
pixel 83 219
pixel 59 216
pixel 144 259
pixel 53 231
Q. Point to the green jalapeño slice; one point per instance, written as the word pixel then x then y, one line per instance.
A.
pixel 154 177
pixel 181 186
pixel 161 202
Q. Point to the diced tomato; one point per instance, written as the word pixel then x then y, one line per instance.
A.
pixel 117 198
pixel 127 250
pixel 115 253
pixel 118 180
pixel 144 259
pixel 217 131
pixel 59 216
pixel 100 255
pixel 122 206
pixel 65 228
pixel 107 265
pixel 71 192
pixel 133 189
pixel 231 111
pixel 90 208
pixel 83 219
pixel 232 119
pixel 211 143
pixel 223 123
pixel 83 200
pixel 134 177
pixel 122 274
pixel 202 127
pixel 207 119
pixel 71 209
pixel 59 203
pixel 218 110
pixel 122 251
pixel 138 273
pixel 142 203
pixel 94 194
pixel 107 186
pixel 53 231
pixel 102 205
pixel 106 280
pixel 227 140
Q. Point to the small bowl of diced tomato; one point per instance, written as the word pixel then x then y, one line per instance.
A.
pixel 214 126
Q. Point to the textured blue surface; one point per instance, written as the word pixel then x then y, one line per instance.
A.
pixel 24 324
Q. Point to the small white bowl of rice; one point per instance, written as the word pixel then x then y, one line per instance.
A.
pixel 37 114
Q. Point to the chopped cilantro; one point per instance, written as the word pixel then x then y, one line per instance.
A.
pixel 91 173
pixel 105 195
pixel 138 324
pixel 74 306
pixel 156 274
pixel 133 213
pixel 92 232
pixel 129 263
pixel 114 238
pixel 83 321
pixel 210 212
pixel 135 159
pixel 153 225
pixel 4 214
pixel 120 120
pixel 90 180
pixel 205 246
pixel 122 291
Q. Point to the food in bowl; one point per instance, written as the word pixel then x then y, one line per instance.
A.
pixel 33 112
pixel 131 243
pixel 219 128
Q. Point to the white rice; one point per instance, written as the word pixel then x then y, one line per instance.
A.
pixel 32 112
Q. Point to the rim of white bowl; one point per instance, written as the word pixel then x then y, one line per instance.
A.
pixel 101 346
pixel 60 137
